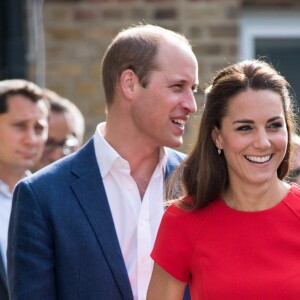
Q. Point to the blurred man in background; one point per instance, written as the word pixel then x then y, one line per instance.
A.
pixel 66 129
pixel 23 133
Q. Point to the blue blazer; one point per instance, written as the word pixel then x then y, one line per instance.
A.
pixel 62 242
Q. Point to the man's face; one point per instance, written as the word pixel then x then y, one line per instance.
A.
pixel 23 132
pixel 61 140
pixel 162 109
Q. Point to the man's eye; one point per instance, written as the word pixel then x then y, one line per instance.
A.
pixel 39 129
pixel 20 125
pixel 177 86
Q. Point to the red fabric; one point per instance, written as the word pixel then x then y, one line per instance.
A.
pixel 229 254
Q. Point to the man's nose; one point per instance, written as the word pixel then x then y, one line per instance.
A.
pixel 189 102
pixel 31 136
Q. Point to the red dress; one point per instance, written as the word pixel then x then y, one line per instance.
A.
pixel 228 254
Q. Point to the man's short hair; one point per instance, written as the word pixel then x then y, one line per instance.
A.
pixel 135 48
pixel 12 87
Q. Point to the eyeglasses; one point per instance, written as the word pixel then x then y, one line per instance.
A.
pixel 67 146
pixel 296 172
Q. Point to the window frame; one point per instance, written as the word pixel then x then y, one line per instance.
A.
pixel 266 24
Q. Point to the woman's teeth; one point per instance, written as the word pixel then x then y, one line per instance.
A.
pixel 259 159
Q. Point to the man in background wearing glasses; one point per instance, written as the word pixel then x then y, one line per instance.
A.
pixel 66 129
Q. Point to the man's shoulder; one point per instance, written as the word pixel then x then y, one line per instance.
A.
pixel 175 155
pixel 174 159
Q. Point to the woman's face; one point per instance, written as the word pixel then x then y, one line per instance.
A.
pixel 253 136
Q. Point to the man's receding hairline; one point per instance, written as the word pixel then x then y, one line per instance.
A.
pixel 159 32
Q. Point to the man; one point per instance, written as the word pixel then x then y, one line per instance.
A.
pixel 23 132
pixel 66 129
pixel 83 227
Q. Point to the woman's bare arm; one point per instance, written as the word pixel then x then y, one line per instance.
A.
pixel 164 286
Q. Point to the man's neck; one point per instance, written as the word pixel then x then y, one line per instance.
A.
pixel 142 158
pixel 11 177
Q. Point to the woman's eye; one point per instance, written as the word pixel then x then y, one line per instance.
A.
pixel 276 125
pixel 244 128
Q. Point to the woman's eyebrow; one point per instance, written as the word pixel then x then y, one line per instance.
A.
pixel 243 121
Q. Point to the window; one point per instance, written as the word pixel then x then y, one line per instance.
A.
pixel 12 49
pixel 274 36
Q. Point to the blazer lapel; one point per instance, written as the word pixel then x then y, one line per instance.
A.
pixel 90 192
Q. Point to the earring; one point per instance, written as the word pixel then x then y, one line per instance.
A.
pixel 219 151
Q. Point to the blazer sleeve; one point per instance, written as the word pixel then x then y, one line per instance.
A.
pixel 30 254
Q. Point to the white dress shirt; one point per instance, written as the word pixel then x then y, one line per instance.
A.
pixel 5 209
pixel 136 222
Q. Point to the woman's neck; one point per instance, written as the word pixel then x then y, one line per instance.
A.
pixel 255 198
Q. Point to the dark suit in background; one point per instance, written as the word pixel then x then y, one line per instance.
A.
pixel 3 281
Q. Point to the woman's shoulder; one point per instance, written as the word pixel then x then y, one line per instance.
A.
pixel 183 208
pixel 294 190
pixel 180 206
pixel 292 199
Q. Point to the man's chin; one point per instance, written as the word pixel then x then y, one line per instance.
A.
pixel 25 166
pixel 175 143
pixel 35 166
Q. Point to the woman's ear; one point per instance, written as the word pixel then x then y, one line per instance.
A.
pixel 128 82
pixel 216 138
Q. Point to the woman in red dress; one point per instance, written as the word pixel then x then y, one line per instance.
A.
pixel 235 231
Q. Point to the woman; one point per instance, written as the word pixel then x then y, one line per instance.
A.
pixel 236 233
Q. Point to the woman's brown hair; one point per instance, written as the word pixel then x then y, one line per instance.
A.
pixel 204 173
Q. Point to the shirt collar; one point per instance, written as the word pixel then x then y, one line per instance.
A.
pixel 4 188
pixel 27 173
pixel 106 155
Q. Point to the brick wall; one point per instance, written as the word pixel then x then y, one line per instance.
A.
pixel 78 32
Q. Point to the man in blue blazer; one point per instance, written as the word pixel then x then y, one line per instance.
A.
pixel 84 227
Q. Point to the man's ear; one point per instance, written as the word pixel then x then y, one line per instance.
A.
pixel 128 81
pixel 216 138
